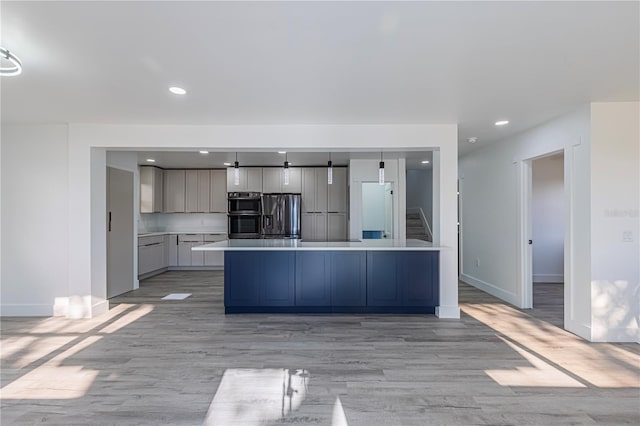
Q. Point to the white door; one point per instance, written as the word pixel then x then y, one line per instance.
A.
pixel 119 232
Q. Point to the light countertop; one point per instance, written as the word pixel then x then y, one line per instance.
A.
pixel 153 234
pixel 290 244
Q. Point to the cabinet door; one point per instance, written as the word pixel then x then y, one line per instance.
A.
pixel 204 191
pixel 158 190
pixel 145 259
pixel 348 278
pixel 174 191
pixel 271 180
pixel 295 180
pixel 321 189
pixel 418 272
pixel 337 226
pixel 320 229
pixel 241 278
pixel 337 194
pixel 197 257
pixel 184 254
pixel 313 287
pixel 173 250
pixel 383 286
pixel 277 278
pixel 191 197
pixel 307 226
pixel 218 188
pixel 167 250
pixel 146 189
pixel 308 190
pixel 254 179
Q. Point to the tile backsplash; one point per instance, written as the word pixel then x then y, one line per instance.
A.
pixel 157 222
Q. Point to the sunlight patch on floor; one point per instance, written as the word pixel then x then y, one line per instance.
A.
pixel 257 396
pixel 585 361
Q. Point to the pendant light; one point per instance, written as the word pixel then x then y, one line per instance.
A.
pixel 330 171
pixel 236 172
pixel 381 171
pixel 286 170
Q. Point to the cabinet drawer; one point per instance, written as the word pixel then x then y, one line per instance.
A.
pixel 145 241
pixel 211 238
pixel 190 238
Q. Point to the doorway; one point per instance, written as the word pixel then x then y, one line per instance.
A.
pixel 377 210
pixel 547 213
pixel 120 199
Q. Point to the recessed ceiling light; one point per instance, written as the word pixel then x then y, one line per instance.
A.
pixel 425 161
pixel 282 152
pixel 177 90
pixel 227 164
pixel 204 152
pixel 151 160
pixel 473 140
pixel 502 122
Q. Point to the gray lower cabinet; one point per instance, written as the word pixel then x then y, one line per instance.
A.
pixel 337 226
pixel 173 250
pixel 151 254
pixel 314 226
pixel 187 257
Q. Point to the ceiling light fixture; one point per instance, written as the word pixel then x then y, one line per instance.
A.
pixel 204 152
pixel 381 171
pixel 330 171
pixel 9 56
pixel 425 161
pixel 282 152
pixel 151 160
pixel 227 164
pixel 236 172
pixel 177 90
pixel 502 122
pixel 286 170
pixel 473 139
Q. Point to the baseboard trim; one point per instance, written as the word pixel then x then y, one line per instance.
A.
pixel 26 310
pixel 491 289
pixel 548 278
pixel 99 308
pixel 196 268
pixel 577 328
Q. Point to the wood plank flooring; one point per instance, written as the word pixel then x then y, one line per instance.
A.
pixel 183 362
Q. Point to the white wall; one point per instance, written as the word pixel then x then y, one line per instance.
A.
pixel 76 194
pixel 492 181
pixel 615 203
pixel 601 163
pixel 34 219
pixel 547 218
pixel 420 191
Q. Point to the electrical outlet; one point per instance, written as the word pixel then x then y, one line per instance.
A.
pixel 627 236
pixel 477 262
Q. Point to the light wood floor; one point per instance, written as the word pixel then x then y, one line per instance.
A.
pixel 151 362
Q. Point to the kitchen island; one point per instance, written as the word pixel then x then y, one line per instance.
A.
pixel 294 276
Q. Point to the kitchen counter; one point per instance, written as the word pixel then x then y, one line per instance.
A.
pixel 293 276
pixel 153 234
pixel 301 245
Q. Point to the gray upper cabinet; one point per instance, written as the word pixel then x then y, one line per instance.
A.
pixel 273 180
pixel 314 189
pixel 197 191
pixel 337 193
pixel 151 189
pixel 218 189
pixel 250 179
pixel 174 191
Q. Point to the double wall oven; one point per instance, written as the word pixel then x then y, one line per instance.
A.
pixel 244 214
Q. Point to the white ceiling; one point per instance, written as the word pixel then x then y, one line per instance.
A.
pixel 193 159
pixel 470 63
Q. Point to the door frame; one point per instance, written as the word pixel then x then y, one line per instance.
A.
pixel 525 227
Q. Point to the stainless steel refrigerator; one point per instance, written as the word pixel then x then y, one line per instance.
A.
pixel 281 215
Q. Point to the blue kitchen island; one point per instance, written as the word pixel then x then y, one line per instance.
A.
pixel 293 276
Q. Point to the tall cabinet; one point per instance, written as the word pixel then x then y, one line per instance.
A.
pixel 324 206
